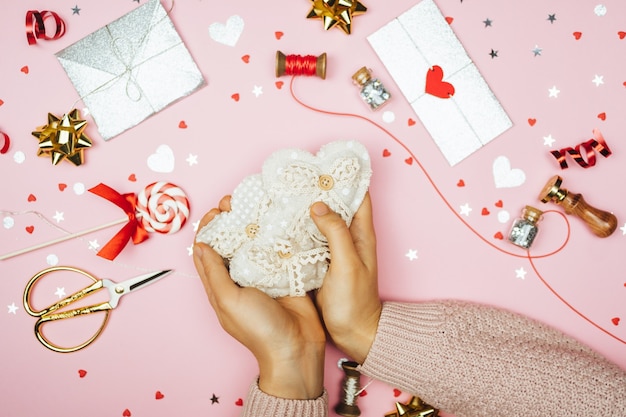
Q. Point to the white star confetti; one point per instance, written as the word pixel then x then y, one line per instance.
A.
pixel 58 216
pixel 8 222
pixel 598 80
pixel 196 224
pixel 548 140
pixel 600 10
pixel 19 157
pixel 192 160
pixel 94 245
pixel 12 308
pixel 553 92
pixel 411 254
pixel 190 250
pixel 257 91
pixel 466 209
pixel 52 259
pixel 60 292
pixel 520 273
pixel 623 229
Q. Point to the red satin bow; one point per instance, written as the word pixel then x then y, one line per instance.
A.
pixel 36 19
pixel 7 142
pixel 598 144
pixel 133 229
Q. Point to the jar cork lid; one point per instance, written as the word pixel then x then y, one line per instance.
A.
pixel 362 76
pixel 532 214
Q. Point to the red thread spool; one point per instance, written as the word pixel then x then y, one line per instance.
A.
pixel 300 65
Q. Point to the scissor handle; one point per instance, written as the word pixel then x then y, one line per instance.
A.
pixel 46 315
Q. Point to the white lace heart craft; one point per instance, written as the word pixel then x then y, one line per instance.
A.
pixel 268 237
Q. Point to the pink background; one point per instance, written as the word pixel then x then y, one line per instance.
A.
pixel 166 338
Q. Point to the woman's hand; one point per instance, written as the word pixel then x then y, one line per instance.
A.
pixel 348 299
pixel 284 334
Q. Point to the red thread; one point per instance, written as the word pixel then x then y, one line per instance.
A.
pixel 458 215
pixel 7 143
pixel 36 19
pixel 597 144
pixel 300 65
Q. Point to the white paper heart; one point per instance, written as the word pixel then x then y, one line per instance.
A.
pixel 228 33
pixel 162 160
pixel 506 177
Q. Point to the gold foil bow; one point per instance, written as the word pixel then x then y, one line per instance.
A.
pixel 414 408
pixel 336 13
pixel 63 138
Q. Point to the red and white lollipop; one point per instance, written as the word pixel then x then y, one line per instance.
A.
pixel 161 207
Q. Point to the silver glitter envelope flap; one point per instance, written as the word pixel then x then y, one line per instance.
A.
pixel 440 81
pixel 131 69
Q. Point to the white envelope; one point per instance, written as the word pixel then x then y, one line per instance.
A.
pixel 440 81
pixel 131 68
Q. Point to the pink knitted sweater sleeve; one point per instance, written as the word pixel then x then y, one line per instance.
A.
pixel 260 404
pixel 473 360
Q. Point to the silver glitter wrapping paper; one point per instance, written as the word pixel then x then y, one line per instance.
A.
pixel 409 46
pixel 131 69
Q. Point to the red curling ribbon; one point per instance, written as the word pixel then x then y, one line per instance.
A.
pixel 7 143
pixel 36 28
pixel 132 229
pixel 597 144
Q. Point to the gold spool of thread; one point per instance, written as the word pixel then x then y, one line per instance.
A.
pixel 300 65
pixel 351 388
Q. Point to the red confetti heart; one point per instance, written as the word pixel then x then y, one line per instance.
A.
pixel 126 413
pixel 411 122
pixel 485 212
pixel 461 183
pixel 602 116
pixel 31 198
pixel 449 20
pixel 386 153
pixel 621 34
pixel 278 35
pixel 624 83
pixel 24 69
pixel 499 203
pixel 82 373
pixel 532 121
pixel 132 177
pixel 62 187
pixel 235 96
pixel 363 393
pixel 409 160
pixel 396 392
pixel 435 85
pixel 246 58
pixel 30 229
pixel 159 395
pixel 498 236
pixel 1 102
pixel 182 124
pixel 615 320
pixel 577 35
pixel 279 84
pixel 239 402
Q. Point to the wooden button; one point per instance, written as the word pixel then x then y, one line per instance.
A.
pixel 326 182
pixel 252 230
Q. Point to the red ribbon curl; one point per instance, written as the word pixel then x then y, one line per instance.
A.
pixel 597 144
pixel 7 143
pixel 133 229
pixel 36 28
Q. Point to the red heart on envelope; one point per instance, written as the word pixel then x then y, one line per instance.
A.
pixel 435 85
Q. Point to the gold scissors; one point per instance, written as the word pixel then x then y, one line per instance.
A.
pixel 116 291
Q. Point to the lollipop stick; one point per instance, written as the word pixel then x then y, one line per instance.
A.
pixel 62 239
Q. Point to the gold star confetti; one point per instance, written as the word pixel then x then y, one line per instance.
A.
pixel 63 138
pixel 336 13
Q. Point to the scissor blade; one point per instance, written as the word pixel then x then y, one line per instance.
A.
pixel 143 280
pixel 118 290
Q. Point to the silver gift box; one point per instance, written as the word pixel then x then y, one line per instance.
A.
pixel 131 69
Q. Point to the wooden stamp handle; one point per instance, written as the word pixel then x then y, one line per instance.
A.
pixel 601 223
